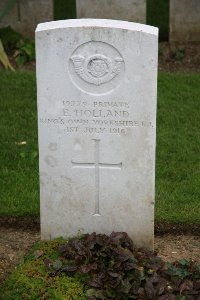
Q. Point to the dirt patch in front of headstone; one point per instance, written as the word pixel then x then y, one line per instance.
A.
pixel 172 247
pixel 15 243
pixel 20 223
pixel 166 227
pixel 161 228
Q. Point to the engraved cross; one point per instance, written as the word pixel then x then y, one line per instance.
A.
pixel 97 166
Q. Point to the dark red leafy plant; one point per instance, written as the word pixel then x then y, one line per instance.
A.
pixel 113 268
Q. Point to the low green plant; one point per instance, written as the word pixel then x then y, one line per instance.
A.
pixel 178 54
pixel 32 281
pixel 25 52
pixel 112 268
pixel 21 48
pixel 9 38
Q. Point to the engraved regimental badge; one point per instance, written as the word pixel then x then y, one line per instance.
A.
pixel 97 69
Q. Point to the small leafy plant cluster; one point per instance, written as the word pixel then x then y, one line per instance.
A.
pixel 112 268
pixel 178 54
pixel 17 46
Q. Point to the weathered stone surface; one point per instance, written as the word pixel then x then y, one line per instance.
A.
pixel 184 21
pixel 26 14
pixel 127 10
pixel 96 83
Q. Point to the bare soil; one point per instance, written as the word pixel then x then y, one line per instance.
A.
pixel 14 244
pixel 184 58
pixel 172 247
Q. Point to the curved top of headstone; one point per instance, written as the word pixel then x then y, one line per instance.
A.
pixel 103 23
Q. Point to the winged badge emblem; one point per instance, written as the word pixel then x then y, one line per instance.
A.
pixel 97 69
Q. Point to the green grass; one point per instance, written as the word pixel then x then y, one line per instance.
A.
pixel 18 163
pixel 178 147
pixel 31 280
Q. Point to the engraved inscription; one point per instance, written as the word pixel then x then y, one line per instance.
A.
pixel 97 69
pixel 97 117
pixel 97 166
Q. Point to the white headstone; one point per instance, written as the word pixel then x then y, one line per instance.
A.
pixel 96 83
pixel 127 10
pixel 24 15
pixel 184 21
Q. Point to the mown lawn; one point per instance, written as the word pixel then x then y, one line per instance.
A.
pixel 19 194
pixel 178 147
